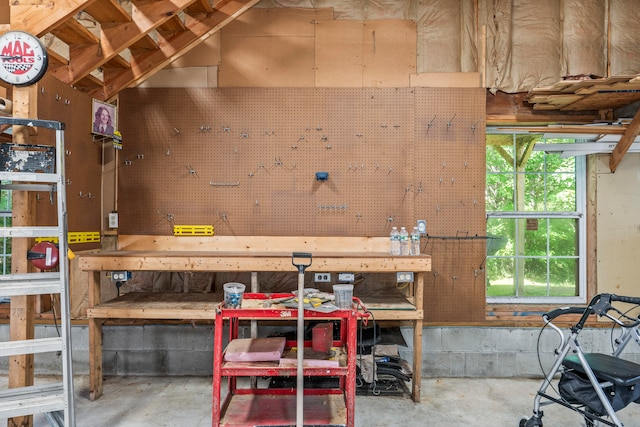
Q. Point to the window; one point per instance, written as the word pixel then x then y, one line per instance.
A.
pixel 5 242
pixel 535 222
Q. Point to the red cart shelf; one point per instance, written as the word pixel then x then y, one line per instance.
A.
pixel 254 406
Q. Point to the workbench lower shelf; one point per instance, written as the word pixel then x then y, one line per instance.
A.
pixel 268 410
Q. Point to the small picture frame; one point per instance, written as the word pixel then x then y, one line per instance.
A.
pixel 104 118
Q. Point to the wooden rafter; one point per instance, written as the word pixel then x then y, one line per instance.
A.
pixel 107 11
pixel 197 28
pixel 111 47
pixel 40 18
pixel 630 134
pixel 116 37
pixel 73 32
pixel 172 26
pixel 200 6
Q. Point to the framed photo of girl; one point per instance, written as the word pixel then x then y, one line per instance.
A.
pixel 104 118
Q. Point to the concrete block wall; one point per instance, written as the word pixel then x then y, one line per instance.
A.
pixel 158 350
pixel 500 352
pixel 473 351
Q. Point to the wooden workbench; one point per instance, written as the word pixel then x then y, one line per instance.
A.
pixel 374 259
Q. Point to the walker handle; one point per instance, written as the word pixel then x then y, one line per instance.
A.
pixel 630 300
pixel 550 315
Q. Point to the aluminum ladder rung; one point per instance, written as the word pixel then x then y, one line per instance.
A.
pixel 29 177
pixel 33 346
pixel 29 231
pixel 30 284
pixel 16 402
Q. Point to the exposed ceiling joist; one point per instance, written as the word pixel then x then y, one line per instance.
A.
pixel 197 28
pixel 107 11
pixel 110 47
pixel 40 18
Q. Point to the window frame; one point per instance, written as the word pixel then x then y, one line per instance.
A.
pixel 579 215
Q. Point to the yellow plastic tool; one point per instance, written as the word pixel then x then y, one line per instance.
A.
pixel 193 230
pixel 74 237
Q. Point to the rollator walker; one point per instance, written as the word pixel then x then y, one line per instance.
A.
pixel 595 385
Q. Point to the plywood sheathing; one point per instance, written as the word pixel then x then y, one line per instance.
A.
pixel 617 221
pixel 265 48
pixel 338 54
pixel 306 48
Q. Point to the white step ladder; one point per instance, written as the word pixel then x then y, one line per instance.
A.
pixel 55 401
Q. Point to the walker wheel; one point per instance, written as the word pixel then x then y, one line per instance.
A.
pixel 534 421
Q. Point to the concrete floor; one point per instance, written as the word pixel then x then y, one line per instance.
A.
pixel 446 402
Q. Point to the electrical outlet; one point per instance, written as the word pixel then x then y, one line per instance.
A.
pixel 113 219
pixel 346 277
pixel 404 276
pixel 120 276
pixel 422 226
pixel 322 277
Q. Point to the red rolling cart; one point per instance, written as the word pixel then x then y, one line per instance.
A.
pixel 254 406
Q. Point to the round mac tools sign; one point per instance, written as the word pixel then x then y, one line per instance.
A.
pixel 23 58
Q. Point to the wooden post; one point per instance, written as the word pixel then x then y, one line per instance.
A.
pixel 95 338
pixel 21 317
pixel 417 338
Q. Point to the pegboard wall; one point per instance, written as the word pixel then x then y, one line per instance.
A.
pixel 82 157
pixel 245 161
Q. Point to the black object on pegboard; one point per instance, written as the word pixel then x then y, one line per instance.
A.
pixel 27 158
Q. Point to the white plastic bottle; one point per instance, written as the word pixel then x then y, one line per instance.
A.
pixel 394 248
pixel 415 241
pixel 405 246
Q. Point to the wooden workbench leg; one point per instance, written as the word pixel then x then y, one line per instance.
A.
pixel 417 338
pixel 95 339
pixel 417 360
pixel 95 358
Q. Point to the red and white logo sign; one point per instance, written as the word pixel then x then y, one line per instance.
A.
pixel 17 57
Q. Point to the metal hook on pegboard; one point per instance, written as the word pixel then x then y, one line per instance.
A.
pixel 191 171
pixel 431 123
pixel 451 120
pixel 222 216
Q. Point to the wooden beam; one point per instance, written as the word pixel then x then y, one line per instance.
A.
pixel 172 26
pixel 73 32
pixel 105 11
pixel 199 28
pixel 116 37
pixel 39 18
pixel 630 134
pixel 200 6
pixel 568 129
